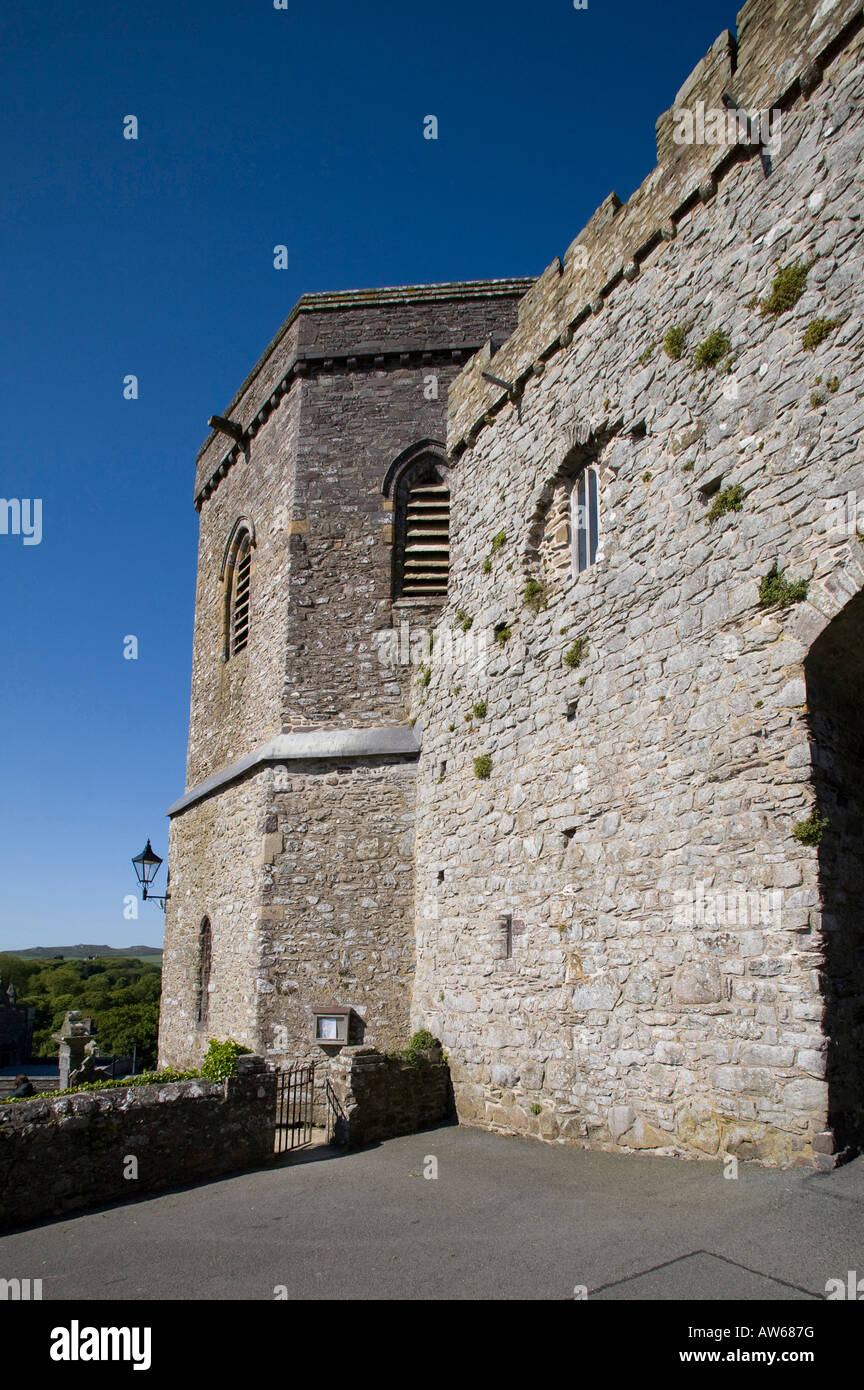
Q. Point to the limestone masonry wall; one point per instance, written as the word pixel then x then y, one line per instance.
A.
pixel 74 1151
pixel 374 1097
pixel 563 957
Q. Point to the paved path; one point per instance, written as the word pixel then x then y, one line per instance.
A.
pixel 506 1218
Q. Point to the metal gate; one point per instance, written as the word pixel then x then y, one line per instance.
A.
pixel 294 1090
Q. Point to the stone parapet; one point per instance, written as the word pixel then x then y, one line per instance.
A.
pixel 68 1152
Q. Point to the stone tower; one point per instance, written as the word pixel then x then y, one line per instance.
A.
pixel 324 530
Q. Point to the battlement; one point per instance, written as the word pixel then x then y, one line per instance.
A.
pixel 776 60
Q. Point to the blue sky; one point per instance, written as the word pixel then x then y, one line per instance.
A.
pixel 257 126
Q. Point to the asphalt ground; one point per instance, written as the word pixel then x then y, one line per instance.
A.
pixel 505 1219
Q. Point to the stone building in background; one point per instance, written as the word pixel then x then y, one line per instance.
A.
pixel 16 1028
pixel 622 881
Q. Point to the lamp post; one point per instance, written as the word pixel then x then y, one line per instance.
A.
pixel 146 865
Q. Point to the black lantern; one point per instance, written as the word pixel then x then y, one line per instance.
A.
pixel 146 865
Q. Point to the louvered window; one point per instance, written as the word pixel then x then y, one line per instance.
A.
pixel 423 533
pixel 239 615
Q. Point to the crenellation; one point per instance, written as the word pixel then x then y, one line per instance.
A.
pixel 621 235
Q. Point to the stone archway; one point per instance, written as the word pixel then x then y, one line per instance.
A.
pixel 835 700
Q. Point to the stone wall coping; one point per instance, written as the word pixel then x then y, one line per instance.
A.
pixel 49 1108
pixel 326 744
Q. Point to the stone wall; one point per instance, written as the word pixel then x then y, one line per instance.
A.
pixel 577 950
pixel 373 1097
pixel 216 857
pixel 62 1154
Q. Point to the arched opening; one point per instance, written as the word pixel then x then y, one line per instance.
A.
pixel 835 701
pixel 421 529
pixel 240 597
pixel 236 576
pixel 205 958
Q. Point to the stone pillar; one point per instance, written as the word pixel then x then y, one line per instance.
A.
pixel 76 1032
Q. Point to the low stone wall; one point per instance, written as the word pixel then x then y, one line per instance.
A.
pixel 68 1152
pixel 375 1097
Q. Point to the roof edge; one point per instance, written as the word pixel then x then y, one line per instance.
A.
pixel 325 744
pixel 329 301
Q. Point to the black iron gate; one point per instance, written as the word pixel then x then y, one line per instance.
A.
pixel 294 1091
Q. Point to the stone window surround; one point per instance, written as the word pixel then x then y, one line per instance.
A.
pixel 205 961
pixel 405 463
pixel 583 449
pixel 242 533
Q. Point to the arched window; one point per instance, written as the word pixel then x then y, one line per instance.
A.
pixel 236 575
pixel 205 957
pixel 240 597
pixel 421 527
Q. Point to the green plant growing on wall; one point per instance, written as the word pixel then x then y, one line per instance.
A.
pixel 536 1109
pixel 575 653
pixel 503 633
pixel 483 767
pixel 646 356
pixel 787 288
pixel 534 595
pixel 422 1041
pixel 141 1078
pixel 220 1059
pixel 674 341
pixel 833 384
pixel 499 540
pixel 688 466
pixel 478 709
pixel 811 830
pixel 816 333
pixel 424 675
pixel 712 350
pixel 777 592
pixel 817 398
pixel 729 499
pixel 487 566
pixel 464 620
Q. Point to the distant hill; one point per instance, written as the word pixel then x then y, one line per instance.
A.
pixel 81 952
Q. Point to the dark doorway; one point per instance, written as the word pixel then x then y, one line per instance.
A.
pixel 835 700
